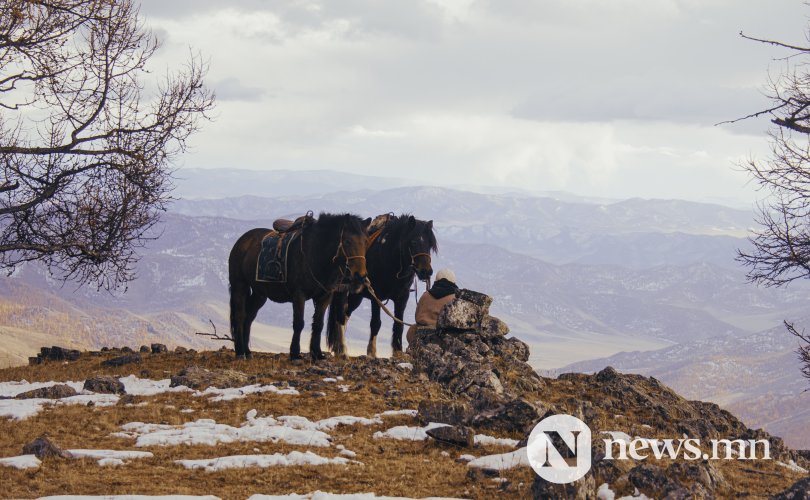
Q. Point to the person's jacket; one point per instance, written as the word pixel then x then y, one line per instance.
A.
pixel 431 303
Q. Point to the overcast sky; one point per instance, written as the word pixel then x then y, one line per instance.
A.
pixel 611 98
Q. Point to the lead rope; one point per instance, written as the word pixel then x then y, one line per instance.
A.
pixel 382 306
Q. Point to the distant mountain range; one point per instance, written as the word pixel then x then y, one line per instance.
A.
pixel 577 279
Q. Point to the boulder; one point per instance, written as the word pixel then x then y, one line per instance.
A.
pixel 43 447
pixel 143 349
pixel 104 385
pixel 463 437
pixel 159 348
pixel 56 391
pixel 465 313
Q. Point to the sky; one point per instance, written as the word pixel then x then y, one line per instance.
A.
pixel 600 98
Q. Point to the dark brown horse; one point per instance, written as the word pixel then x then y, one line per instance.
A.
pixel 399 249
pixel 324 255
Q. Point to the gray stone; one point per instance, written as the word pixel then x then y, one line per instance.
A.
pixel 516 415
pixel 800 490
pixel 56 391
pixel 104 385
pixel 42 447
pixel 158 348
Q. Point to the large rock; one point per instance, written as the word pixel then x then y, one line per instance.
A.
pixel 57 391
pixel 465 313
pixel 104 385
pixel 42 447
pixel 469 354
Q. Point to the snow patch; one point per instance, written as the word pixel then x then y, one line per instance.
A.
pixel 792 465
pixel 277 459
pixel 407 433
pixel 501 461
pixel 21 462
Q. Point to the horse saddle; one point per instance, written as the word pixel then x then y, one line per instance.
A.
pixel 271 266
pixel 287 225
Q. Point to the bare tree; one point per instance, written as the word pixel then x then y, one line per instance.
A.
pixel 781 245
pixel 85 150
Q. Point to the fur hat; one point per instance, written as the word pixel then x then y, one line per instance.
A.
pixel 446 274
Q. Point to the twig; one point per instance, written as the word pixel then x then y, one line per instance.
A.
pixel 214 335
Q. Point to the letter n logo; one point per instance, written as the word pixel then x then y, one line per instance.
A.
pixel 548 461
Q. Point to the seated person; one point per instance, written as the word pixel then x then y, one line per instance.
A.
pixel 432 301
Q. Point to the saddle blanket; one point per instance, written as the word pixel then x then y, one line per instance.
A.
pixel 271 266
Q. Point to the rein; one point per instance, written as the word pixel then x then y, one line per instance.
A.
pixel 371 292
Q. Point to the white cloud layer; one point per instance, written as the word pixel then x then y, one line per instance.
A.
pixel 603 98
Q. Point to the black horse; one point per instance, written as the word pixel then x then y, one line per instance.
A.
pixel 399 248
pixel 324 255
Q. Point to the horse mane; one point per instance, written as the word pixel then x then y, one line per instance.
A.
pixel 336 222
pixel 398 224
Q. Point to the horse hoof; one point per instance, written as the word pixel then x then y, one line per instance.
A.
pixel 240 357
pixel 295 357
pixel 398 354
pixel 318 356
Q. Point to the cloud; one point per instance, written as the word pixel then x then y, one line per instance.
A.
pixel 231 89
pixel 496 90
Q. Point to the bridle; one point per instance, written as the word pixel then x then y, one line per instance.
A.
pixel 400 274
pixel 345 270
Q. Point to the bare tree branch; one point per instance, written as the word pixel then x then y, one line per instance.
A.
pixel 85 154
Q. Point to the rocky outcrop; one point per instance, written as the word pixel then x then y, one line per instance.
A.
pixel 468 354
pixel 54 353
pixel 122 360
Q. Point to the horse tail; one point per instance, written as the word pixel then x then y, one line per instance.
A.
pixel 337 317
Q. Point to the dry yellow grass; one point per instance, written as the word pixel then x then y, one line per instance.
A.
pixel 398 468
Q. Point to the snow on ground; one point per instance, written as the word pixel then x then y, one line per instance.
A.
pixel 12 388
pixel 484 440
pixel 326 424
pixel 110 457
pixel 405 366
pixel 21 462
pixel 217 394
pixel 407 432
pixel 293 458
pixel 20 409
pixel 501 461
pixel 394 413
pixel 793 466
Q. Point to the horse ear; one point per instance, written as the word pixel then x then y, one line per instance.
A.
pixel 430 225
pixel 366 223
pixel 411 222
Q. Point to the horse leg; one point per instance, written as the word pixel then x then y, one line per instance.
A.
pixel 321 303
pixel 399 311
pixel 239 297
pixel 254 303
pixel 352 304
pixel 298 303
pixel 375 324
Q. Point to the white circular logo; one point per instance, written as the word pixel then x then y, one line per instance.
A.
pixel 545 457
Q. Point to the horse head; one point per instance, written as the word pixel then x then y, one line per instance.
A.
pixel 417 243
pixel 350 254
